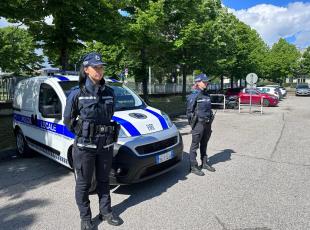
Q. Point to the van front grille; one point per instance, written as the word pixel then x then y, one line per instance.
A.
pixel 157 146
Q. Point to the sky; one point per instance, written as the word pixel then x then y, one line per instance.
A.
pixel 288 19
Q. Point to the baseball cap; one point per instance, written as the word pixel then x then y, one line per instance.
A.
pixel 93 59
pixel 201 77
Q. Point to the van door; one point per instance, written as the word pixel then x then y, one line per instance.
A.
pixel 49 120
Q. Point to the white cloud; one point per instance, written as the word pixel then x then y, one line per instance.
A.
pixel 274 22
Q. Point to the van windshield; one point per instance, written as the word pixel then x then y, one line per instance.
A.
pixel 125 98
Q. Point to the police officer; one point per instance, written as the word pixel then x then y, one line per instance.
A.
pixel 88 114
pixel 200 117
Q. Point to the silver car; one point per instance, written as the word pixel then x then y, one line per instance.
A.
pixel 302 90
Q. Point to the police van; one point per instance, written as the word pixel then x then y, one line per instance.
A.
pixel 149 144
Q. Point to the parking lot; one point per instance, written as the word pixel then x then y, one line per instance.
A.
pixel 261 181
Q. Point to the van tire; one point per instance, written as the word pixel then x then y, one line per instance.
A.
pixel 23 149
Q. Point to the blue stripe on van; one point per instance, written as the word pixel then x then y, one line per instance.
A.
pixel 128 126
pixel 160 118
pixel 41 124
pixel 61 78
pixel 62 130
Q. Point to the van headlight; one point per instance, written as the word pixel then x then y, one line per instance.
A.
pixel 121 133
pixel 167 119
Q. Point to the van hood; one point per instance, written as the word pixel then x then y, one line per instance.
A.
pixel 141 121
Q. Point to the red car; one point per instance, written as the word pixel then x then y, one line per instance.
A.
pixel 233 91
pixel 268 100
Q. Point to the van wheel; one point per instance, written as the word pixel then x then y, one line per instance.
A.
pixel 22 147
pixel 266 103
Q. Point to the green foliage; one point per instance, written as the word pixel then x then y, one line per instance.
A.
pixel 73 22
pixel 305 62
pixel 282 61
pixel 116 56
pixel 188 35
pixel 17 51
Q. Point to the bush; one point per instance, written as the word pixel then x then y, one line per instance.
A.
pixel 290 85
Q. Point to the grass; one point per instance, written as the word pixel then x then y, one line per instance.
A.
pixel 172 105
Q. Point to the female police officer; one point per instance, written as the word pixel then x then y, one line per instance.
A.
pixel 88 114
pixel 200 117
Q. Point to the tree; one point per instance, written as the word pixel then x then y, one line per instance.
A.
pixel 17 51
pixel 144 36
pixel 305 62
pixel 72 23
pixel 189 33
pixel 282 61
pixel 116 56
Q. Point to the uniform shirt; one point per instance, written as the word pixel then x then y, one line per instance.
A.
pixel 200 102
pixel 92 104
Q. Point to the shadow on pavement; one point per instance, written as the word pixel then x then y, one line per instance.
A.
pixel 180 121
pixel 16 216
pixel 19 175
pixel 149 189
pixel 224 155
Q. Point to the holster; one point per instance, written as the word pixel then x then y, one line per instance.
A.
pixel 77 127
pixel 117 128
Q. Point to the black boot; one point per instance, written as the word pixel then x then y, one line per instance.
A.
pixel 86 225
pixel 196 170
pixel 206 165
pixel 111 218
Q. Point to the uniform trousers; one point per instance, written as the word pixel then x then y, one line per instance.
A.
pixel 86 162
pixel 201 134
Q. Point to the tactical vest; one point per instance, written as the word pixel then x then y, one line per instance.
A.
pixel 203 106
pixel 95 111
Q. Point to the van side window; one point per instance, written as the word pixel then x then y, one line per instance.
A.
pixel 49 102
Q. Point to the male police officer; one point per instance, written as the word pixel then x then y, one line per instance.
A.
pixel 200 117
pixel 88 114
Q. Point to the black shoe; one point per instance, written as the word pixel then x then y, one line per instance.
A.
pixel 111 218
pixel 208 167
pixel 86 225
pixel 196 170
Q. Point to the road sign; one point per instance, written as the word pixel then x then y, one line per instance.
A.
pixel 251 78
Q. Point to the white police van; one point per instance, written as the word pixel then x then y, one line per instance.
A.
pixel 149 144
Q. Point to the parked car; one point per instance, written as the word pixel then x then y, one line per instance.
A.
pixel 279 88
pixel 257 96
pixel 302 90
pixel 270 90
pixel 283 91
pixel 233 91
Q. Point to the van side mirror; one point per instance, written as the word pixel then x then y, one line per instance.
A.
pixel 49 111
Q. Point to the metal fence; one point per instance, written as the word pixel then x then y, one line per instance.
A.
pixel 166 88
pixel 7 85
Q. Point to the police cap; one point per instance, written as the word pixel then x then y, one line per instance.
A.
pixel 201 77
pixel 93 59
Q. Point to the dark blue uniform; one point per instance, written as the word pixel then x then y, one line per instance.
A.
pixel 88 114
pixel 199 105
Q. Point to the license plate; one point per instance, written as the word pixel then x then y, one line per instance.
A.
pixel 164 157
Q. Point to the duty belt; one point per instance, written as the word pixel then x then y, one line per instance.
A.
pixel 101 129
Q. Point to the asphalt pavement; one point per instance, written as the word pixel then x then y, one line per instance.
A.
pixel 261 181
